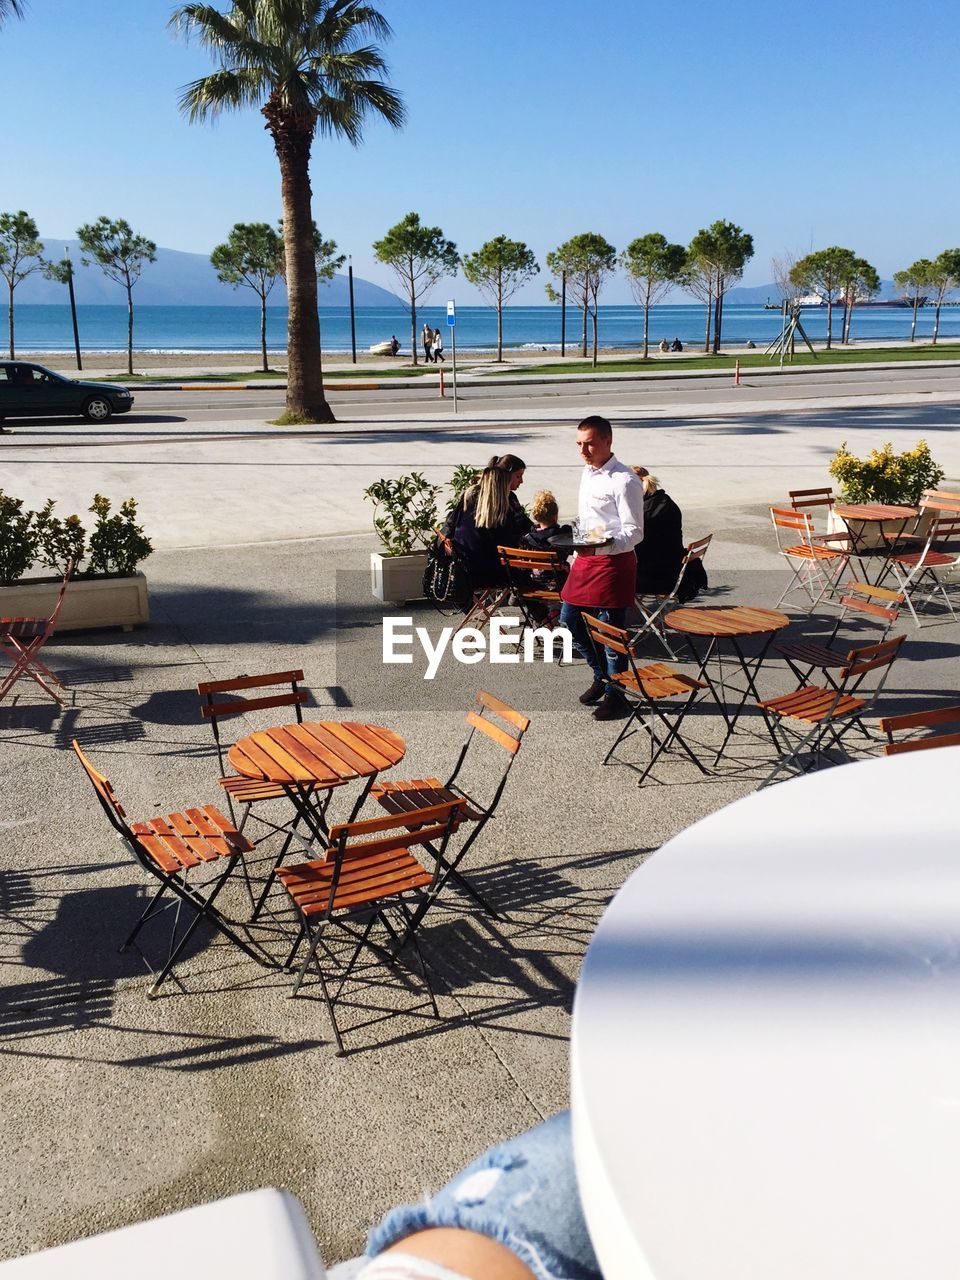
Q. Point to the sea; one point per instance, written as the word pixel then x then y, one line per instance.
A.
pixel 45 328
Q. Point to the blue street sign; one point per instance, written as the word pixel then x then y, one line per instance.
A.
pixel 451 314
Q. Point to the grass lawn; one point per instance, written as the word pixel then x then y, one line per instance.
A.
pixel 751 360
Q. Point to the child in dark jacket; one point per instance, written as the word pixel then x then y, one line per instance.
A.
pixel 544 536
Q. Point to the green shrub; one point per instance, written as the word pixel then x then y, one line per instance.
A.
pixel 18 539
pixel 884 476
pixel 462 479
pixel 59 541
pixel 117 543
pixel 404 512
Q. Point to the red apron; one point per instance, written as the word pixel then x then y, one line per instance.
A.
pixel 602 582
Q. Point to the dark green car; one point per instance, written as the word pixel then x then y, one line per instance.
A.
pixel 29 390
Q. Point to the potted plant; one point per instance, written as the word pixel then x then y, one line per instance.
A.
pixel 106 590
pixel 885 477
pixel 405 517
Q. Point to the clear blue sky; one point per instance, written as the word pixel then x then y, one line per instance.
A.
pixel 814 124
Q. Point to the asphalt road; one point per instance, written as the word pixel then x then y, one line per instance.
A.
pixel 673 395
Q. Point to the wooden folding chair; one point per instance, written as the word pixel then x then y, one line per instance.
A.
pixel 816 568
pixel 868 603
pixel 650 691
pixel 494 725
pixel 367 872
pixel 485 602
pixel 169 849
pixel 801 722
pixel 249 794
pixel 22 639
pixel 535 579
pixel 945 719
pixel 654 606
pixel 920 574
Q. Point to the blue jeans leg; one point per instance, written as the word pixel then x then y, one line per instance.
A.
pixel 571 617
pixel 523 1194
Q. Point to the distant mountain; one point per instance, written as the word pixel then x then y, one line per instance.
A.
pixel 757 295
pixel 181 280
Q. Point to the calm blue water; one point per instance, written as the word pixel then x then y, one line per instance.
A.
pixel 48 328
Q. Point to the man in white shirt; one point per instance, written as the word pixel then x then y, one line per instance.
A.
pixel 603 579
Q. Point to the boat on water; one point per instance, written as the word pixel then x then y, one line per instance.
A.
pixel 814 300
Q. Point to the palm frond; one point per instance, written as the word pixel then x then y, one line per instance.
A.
pixel 220 90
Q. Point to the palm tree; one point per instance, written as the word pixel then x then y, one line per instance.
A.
pixel 304 63
pixel 8 7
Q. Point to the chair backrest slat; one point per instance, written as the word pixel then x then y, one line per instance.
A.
pixel 249 682
pixel 871 657
pixel 800 498
pixel 105 793
pixel 493 731
pixel 940 500
pixel 219 710
pixel 527 558
pixel 922 720
pixel 421 826
pixel 504 711
pixel 697 549
pixel 863 598
pixel 602 633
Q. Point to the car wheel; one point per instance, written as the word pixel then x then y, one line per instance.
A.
pixel 97 409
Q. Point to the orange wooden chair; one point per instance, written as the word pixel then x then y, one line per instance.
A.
pixel 945 719
pixel 247 793
pixel 652 692
pixel 535 578
pixel 654 606
pixel 868 603
pixel 804 721
pixel 921 575
pixel 494 726
pixel 816 568
pixel 368 870
pixel 169 849
pixel 22 639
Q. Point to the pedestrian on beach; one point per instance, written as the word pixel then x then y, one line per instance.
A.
pixel 426 337
pixel 664 345
pixel 438 347
pixel 394 345
pixel 602 580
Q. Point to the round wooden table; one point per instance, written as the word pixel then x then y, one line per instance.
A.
pixel 857 516
pixel 727 624
pixel 765 1045
pixel 318 753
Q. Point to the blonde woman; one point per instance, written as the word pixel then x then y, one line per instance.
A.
pixel 490 516
pixel 661 552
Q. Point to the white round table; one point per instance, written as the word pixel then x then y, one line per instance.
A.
pixel 766 1038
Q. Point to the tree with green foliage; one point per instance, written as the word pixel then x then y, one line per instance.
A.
pixel 418 256
pixel 861 282
pixel 120 254
pixel 309 66
pixel 588 259
pixel 498 269
pixel 20 254
pixel 716 258
pixel 250 257
pixel 653 266
pixel 944 278
pixel 919 275
pixel 825 273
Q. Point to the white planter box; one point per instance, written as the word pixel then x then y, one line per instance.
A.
pixel 89 602
pixel 397 579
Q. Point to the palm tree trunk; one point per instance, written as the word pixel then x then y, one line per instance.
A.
pixel 263 331
pixel 292 138
pixel 129 329
pixel 10 321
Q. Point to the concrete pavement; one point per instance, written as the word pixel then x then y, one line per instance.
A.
pixel 117 1108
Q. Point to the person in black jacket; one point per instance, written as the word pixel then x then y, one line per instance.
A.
pixel 489 516
pixel 660 554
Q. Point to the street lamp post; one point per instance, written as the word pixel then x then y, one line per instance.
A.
pixel 353 323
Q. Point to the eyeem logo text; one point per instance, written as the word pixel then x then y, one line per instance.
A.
pixel 469 646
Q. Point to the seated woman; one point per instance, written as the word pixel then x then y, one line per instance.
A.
pixel 489 516
pixel 660 554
